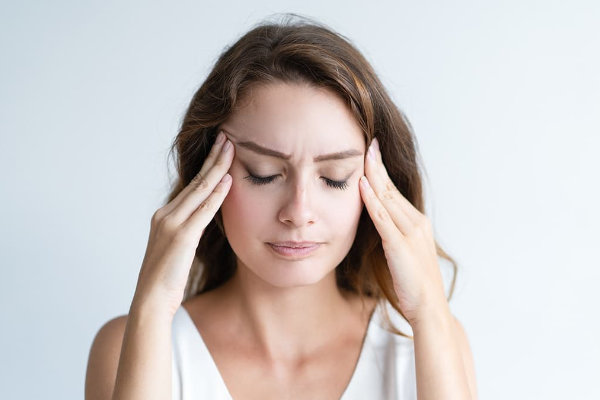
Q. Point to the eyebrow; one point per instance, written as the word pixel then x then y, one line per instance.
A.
pixel 256 148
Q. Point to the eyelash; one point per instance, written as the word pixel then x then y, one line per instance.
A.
pixel 258 180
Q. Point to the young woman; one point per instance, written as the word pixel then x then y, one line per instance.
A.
pixel 293 246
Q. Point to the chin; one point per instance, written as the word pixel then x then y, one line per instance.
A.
pixel 293 281
pixel 286 274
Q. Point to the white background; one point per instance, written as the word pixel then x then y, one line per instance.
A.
pixel 504 98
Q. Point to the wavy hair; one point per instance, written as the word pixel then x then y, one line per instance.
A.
pixel 307 52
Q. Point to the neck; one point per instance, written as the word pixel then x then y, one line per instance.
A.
pixel 287 323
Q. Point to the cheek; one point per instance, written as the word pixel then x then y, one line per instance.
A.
pixel 245 209
pixel 346 211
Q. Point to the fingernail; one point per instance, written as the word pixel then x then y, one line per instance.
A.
pixel 364 181
pixel 226 178
pixel 226 146
pixel 376 144
pixel 371 151
pixel 220 138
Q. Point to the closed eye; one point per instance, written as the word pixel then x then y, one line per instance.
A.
pixel 259 180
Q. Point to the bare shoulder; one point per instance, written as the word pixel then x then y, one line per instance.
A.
pixel 467 356
pixel 103 359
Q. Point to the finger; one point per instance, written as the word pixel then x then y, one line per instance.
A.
pixel 208 163
pixel 387 193
pixel 204 213
pixel 403 213
pixel 212 157
pixel 203 186
pixel 379 215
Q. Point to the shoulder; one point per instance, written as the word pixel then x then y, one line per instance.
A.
pixel 103 359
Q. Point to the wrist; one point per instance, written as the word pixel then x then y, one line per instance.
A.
pixel 434 311
pixel 153 305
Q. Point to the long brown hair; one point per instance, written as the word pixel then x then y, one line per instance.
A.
pixel 308 52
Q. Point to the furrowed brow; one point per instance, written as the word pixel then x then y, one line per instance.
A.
pixel 256 148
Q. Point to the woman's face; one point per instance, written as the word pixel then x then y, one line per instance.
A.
pixel 302 198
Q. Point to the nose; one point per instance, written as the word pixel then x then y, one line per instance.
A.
pixel 298 208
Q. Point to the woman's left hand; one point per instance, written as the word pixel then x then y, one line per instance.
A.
pixel 407 241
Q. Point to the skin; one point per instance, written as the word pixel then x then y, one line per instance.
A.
pixel 275 306
pixel 286 314
pixel 444 363
pixel 296 334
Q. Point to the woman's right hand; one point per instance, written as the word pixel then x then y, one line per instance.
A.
pixel 176 229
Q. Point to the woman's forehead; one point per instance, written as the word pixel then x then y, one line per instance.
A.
pixel 294 112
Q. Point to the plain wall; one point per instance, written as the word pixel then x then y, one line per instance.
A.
pixel 504 98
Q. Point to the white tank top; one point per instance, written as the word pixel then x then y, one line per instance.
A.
pixel 385 369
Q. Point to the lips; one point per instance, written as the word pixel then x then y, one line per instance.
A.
pixel 294 245
pixel 294 249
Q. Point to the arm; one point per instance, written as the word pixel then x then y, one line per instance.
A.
pixel 144 370
pixel 467 357
pixel 444 365
pixel 130 358
pixel 443 360
pixel 143 341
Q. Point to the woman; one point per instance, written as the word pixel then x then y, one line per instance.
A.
pixel 301 270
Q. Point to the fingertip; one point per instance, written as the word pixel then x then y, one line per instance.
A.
pixel 226 178
pixel 364 182
pixel 220 137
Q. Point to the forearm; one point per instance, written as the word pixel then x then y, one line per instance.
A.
pixel 440 369
pixel 144 370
